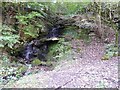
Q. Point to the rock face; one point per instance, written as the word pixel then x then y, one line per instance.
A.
pixel 54 32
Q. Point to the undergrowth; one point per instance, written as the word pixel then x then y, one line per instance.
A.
pixel 110 51
pixel 8 37
pixel 59 50
pixel 83 34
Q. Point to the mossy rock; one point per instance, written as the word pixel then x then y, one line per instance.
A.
pixel 36 62
pixel 48 63
pixel 52 39
pixel 22 69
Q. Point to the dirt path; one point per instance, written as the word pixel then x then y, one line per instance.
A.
pixel 82 70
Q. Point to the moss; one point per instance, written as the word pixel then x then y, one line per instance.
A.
pixel 22 69
pixel 84 34
pixel 71 32
pixel 48 63
pixel 36 62
pixel 58 50
pixel 105 57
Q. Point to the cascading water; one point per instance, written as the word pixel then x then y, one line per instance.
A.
pixel 28 53
pixel 33 50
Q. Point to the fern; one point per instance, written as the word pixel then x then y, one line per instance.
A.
pixel 7 37
pixel 31 25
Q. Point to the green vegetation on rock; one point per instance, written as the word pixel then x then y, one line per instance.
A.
pixel 58 50
pixel 36 62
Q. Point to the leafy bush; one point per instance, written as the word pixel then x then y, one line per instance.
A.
pixel 84 34
pixel 67 8
pixel 8 37
pixel 31 26
pixel 27 18
pixel 111 51
pixel 71 31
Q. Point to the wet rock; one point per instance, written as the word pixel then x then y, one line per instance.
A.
pixel 53 39
pixel 22 69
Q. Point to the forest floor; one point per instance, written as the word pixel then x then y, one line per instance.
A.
pixel 83 69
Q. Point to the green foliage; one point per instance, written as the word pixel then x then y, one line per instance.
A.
pixel 8 38
pixel 83 34
pixel 76 7
pixel 111 51
pixel 5 60
pixel 36 62
pixel 28 15
pixel 11 73
pixel 107 11
pixel 71 31
pixel 60 49
pixel 31 25
pixel 24 19
pixel 35 5
pixel 67 8
pixel 22 69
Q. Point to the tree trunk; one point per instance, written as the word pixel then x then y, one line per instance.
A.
pixel 0 31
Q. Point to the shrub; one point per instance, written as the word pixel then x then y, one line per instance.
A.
pixel 8 37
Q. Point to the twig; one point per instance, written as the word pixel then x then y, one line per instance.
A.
pixel 63 85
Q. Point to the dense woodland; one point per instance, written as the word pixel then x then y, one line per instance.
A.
pixel 40 33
